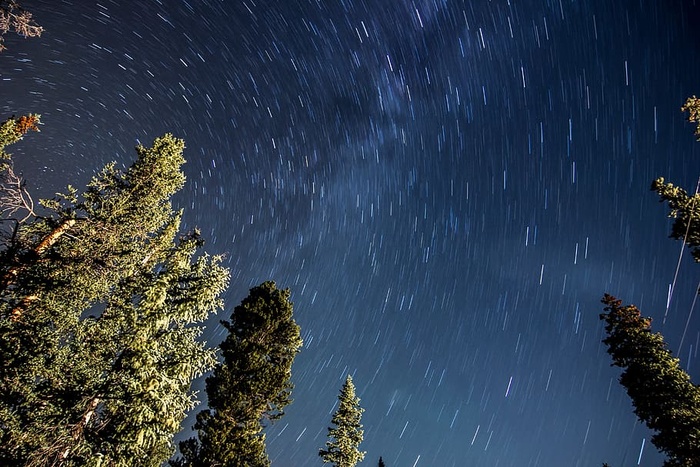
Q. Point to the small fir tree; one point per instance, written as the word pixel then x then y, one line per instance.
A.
pixel 381 462
pixel 342 447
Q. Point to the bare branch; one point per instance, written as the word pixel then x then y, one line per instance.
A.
pixel 14 18
pixel 14 196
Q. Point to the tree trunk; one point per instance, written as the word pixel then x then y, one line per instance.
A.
pixel 11 275
pixel 53 237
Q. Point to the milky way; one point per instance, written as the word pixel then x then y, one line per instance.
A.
pixel 447 187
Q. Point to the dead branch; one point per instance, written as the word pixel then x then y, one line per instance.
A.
pixel 14 195
pixel 14 17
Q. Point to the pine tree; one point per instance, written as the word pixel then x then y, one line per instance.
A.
pixel 684 208
pixel 692 106
pixel 251 387
pixel 100 297
pixel 661 391
pixel 345 438
pixel 381 462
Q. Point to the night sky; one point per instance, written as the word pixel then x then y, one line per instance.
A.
pixel 448 187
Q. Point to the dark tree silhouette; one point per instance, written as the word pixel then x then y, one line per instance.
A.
pixel 252 385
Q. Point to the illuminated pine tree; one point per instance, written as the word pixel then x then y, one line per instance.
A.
pixel 683 208
pixel 692 107
pixel 342 447
pixel 100 297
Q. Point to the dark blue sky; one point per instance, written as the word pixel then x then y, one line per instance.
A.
pixel 448 188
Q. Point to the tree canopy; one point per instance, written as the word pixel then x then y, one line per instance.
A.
pixel 100 297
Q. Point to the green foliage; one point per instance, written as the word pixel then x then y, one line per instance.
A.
pixel 344 439
pixel 14 196
pixel 685 209
pixel 99 304
pixel 661 391
pixel 692 106
pixel 252 385
pixel 13 129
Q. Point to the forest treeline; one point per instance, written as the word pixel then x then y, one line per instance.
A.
pixel 102 303
pixel 103 300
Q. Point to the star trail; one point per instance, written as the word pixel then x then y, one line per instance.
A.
pixel 447 187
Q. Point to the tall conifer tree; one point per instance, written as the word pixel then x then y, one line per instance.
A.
pixel 251 387
pixel 342 447
pixel 99 300
pixel 661 391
